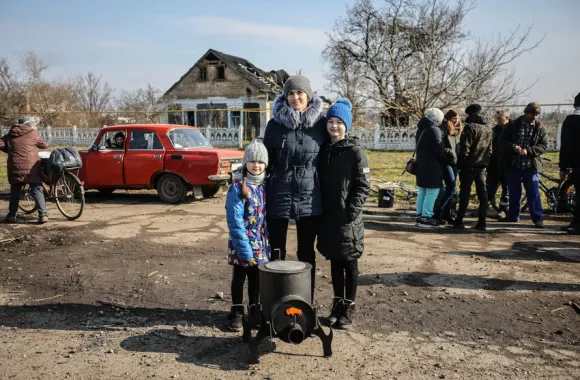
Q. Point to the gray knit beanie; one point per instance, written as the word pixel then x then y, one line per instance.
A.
pixel 256 151
pixel 435 115
pixel 298 82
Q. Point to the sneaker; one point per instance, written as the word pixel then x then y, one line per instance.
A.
pixel 428 222
pixel 441 222
pixel 346 317
pixel 539 224
pixel 42 219
pixel 501 215
pixel 335 311
pixel 459 226
pixel 450 220
pixel 10 219
pixel 417 220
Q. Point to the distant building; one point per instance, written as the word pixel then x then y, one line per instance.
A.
pixel 221 90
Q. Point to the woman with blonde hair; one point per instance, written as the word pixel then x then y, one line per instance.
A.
pixel 451 129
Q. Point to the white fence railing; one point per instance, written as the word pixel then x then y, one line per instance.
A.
pixel 84 137
pixel 378 138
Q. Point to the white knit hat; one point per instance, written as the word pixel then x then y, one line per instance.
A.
pixel 435 115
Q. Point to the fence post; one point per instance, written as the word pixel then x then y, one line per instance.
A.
pixel 49 134
pixel 376 135
pixel 241 136
pixel 75 135
pixel 208 133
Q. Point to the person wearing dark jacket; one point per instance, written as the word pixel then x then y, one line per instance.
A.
pixel 451 129
pixel 431 159
pixel 22 143
pixel 475 149
pixel 570 158
pixel 523 142
pixel 495 174
pixel 345 183
pixel 293 138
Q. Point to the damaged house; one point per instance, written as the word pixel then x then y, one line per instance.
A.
pixel 223 91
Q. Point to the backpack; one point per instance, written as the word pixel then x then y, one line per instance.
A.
pixel 65 158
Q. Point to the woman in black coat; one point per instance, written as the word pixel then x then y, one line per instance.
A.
pixel 293 138
pixel 344 177
pixel 431 159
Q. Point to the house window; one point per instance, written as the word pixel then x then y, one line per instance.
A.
pixel 236 118
pixel 221 73
pixel 203 73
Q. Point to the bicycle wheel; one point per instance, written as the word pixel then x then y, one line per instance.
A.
pixel 568 196
pixel 69 195
pixel 26 203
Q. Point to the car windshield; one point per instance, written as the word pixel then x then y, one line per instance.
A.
pixel 183 138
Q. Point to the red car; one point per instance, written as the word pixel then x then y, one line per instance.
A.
pixel 173 159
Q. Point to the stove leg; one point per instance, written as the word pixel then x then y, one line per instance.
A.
pixel 263 331
pixel 326 339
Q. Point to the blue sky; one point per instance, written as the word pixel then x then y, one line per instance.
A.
pixel 132 43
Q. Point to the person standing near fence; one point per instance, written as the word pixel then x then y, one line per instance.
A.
pixel 431 159
pixel 475 150
pixel 345 184
pixel 522 143
pixel 293 138
pixel 570 159
pixel 451 128
pixel 24 167
pixel 495 173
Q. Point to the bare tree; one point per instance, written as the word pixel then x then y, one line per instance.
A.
pixel 416 54
pixel 140 105
pixel 93 96
pixel 346 80
pixel 12 93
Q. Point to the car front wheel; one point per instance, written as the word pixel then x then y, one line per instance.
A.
pixel 171 188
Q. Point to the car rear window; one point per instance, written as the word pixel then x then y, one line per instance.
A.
pixel 183 138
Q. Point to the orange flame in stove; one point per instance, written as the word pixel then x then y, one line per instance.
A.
pixel 292 311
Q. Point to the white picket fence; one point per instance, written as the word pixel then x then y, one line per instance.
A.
pixel 84 137
pixel 378 138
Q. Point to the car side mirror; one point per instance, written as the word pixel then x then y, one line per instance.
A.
pixel 94 147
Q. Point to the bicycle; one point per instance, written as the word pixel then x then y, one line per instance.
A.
pixel 560 198
pixel 64 188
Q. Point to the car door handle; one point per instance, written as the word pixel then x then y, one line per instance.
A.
pixel 117 156
pixel 156 156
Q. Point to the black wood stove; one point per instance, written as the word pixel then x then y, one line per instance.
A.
pixel 286 310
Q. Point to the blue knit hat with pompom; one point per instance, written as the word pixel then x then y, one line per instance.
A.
pixel 342 109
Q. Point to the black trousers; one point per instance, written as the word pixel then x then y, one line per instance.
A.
pixel 307 231
pixel 466 179
pixel 493 181
pixel 239 278
pixel 344 276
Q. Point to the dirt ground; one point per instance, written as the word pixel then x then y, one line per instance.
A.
pixel 131 291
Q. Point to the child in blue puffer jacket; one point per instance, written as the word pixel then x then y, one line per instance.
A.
pixel 248 244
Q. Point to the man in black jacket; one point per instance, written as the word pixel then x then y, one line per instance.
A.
pixel 474 152
pixel 522 143
pixel 495 175
pixel 570 158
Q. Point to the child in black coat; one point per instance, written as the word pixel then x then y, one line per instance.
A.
pixel 344 180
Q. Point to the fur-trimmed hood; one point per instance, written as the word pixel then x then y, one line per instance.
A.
pixel 291 119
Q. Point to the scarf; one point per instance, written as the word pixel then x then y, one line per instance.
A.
pixel 292 119
pixel 253 180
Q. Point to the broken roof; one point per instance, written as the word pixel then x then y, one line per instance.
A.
pixel 270 83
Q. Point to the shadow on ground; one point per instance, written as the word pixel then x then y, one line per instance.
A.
pixel 461 281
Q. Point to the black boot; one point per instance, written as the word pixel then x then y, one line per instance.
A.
pixel 481 225
pixel 254 316
pixel 235 318
pixel 346 316
pixel 335 311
